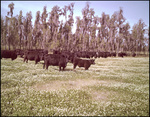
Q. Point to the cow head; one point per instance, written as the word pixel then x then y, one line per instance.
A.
pixel 14 55
pixel 92 61
pixel 41 55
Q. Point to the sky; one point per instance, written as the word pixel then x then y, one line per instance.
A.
pixel 132 10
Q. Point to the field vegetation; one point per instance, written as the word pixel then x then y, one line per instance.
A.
pixel 113 86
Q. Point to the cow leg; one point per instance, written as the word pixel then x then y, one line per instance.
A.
pixel 47 67
pixel 59 68
pixel 86 68
pixel 74 66
pixel 35 62
pixel 26 60
pixel 44 65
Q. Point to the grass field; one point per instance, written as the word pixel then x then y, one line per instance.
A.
pixel 113 86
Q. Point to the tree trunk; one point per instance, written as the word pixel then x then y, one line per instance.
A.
pixel 20 40
pixel 9 43
pixel 5 43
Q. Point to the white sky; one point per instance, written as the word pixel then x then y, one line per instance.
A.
pixel 132 10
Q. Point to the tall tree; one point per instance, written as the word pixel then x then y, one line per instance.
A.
pixel 141 31
pixel 112 31
pixel 36 31
pixel 126 37
pixel 14 32
pixel 53 23
pixel 120 21
pixel 86 23
pixel 138 31
pixel 70 24
pixel 78 33
pixel 20 27
pixel 11 6
pixel 3 30
pixel 103 24
pixel 27 23
pixel 44 27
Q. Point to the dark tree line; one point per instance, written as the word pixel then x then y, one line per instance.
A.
pixel 93 33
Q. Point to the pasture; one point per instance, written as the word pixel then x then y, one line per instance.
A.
pixel 113 86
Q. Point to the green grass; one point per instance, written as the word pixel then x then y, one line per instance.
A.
pixel 111 87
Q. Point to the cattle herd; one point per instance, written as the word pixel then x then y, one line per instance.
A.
pixel 60 58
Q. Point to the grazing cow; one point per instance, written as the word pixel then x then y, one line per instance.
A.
pixel 67 54
pixel 20 52
pixel 44 51
pixel 103 54
pixel 113 54
pixel 35 54
pixel 31 55
pixel 41 55
pixel 91 54
pixel 95 54
pixel 133 54
pixel 55 60
pixel 8 54
pixel 17 51
pixel 39 50
pixel 56 52
pixel 107 54
pixel 121 54
pixel 78 53
pixel 83 63
pixel 72 56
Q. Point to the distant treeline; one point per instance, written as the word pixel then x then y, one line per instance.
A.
pixel 93 33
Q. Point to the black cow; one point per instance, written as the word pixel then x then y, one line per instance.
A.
pixel 72 56
pixel 83 54
pixel 39 50
pixel 67 54
pixel 20 52
pixel 133 54
pixel 121 54
pixel 113 54
pixel 55 60
pixel 31 55
pixel 83 63
pixel 56 52
pixel 78 53
pixel 103 54
pixel 89 54
pixel 8 54
pixel 93 54
pixel 107 54
pixel 33 52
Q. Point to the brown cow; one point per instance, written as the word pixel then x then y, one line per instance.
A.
pixel 83 63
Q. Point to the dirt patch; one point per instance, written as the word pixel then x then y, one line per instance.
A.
pixel 61 85
pixel 100 95
pixel 77 84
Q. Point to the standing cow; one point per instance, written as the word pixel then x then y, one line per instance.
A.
pixel 55 60
pixel 83 63
pixel 31 55
pixel 122 54
pixel 8 54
